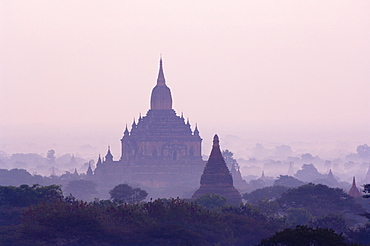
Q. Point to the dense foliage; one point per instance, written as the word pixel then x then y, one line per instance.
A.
pixel 25 195
pixel 269 193
pixel 42 216
pixel 305 236
pixel 159 222
pixel 319 200
pixel 211 201
pixel 123 193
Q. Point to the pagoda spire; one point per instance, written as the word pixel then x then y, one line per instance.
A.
pixel 109 156
pixel 354 192
pixel 161 95
pixel 134 124
pixel 263 177
pixel 216 177
pixel 196 131
pixel 99 160
pixel 126 132
pixel 89 171
pixel 331 177
pixel 161 80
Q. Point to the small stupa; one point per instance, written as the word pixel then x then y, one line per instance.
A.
pixel 331 178
pixel 354 192
pixel 216 177
pixel 263 177
pixel 89 171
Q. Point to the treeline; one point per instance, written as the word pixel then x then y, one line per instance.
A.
pixel 35 215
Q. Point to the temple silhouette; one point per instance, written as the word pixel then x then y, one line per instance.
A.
pixel 159 151
pixel 216 177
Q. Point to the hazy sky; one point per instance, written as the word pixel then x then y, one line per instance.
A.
pixel 234 67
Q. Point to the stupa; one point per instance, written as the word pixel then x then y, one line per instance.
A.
pixel 216 177
pixel 354 192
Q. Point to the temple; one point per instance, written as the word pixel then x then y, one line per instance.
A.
pixel 354 191
pixel 216 178
pixel 159 151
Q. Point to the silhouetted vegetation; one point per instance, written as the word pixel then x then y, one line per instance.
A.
pixel 36 215
pixel 211 201
pixel 269 193
pixel 305 236
pixel 319 200
pixel 160 222
pixel 288 181
pixel 123 193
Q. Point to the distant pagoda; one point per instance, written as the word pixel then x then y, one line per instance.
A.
pixel 216 178
pixel 354 192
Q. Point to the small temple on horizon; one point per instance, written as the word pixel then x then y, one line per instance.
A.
pixel 216 177
pixel 354 191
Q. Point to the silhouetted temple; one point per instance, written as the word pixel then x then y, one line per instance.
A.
pixel 354 191
pixel 160 150
pixel 216 178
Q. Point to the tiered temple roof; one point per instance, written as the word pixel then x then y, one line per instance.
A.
pixel 216 178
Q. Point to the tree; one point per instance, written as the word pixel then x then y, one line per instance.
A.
pixel 362 234
pixel 158 222
pixel 319 200
pixel 62 223
pixel 51 156
pixel 211 201
pixel 367 195
pixel 24 195
pixel 230 161
pixel 14 177
pixel 81 189
pixel 304 236
pixel 332 221
pixel 363 151
pixel 123 193
pixel 288 181
pixel 297 216
pixel 308 173
pixel 269 192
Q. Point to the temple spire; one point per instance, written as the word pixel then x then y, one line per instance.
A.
pixel 161 80
pixel 216 177
pixel 109 156
pixel 99 161
pixel 89 171
pixel 196 131
pixel 161 95
pixel 354 192
pixel 216 141
pixel 126 132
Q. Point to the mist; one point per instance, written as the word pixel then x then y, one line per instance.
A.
pixel 275 80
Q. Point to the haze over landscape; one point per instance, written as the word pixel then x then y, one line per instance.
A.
pixel 73 74
pixel 184 122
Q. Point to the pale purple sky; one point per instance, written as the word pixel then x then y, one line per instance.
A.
pixel 234 67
